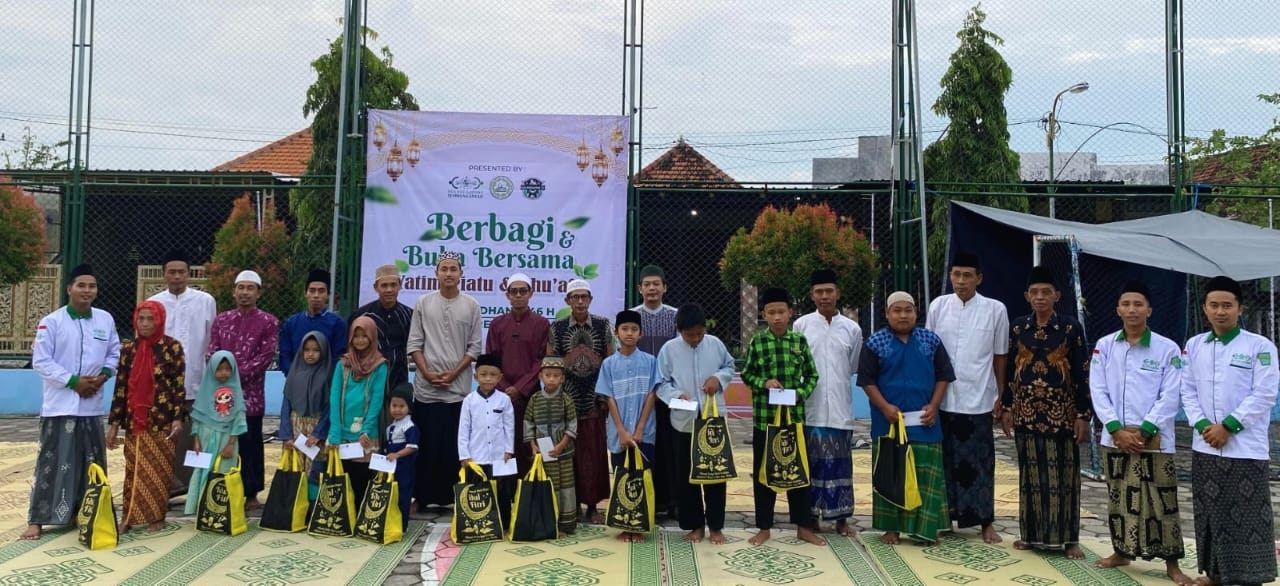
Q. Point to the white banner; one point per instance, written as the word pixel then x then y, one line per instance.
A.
pixel 512 193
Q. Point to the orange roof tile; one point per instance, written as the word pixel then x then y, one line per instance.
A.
pixel 683 164
pixel 1216 169
pixel 287 156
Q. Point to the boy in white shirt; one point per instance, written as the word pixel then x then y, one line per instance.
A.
pixel 487 430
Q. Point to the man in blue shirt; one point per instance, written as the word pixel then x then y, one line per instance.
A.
pixel 316 318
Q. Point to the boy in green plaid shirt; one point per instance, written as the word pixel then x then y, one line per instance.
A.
pixel 778 358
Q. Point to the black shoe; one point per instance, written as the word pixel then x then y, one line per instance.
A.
pixel 268 438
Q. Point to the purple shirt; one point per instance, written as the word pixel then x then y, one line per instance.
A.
pixel 251 337
pixel 522 343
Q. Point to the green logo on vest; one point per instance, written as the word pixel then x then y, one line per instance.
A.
pixel 1264 358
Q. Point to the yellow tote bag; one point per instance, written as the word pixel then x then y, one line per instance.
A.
pixel 893 476
pixel 711 452
pixel 96 520
pixel 379 519
pixel 785 465
pixel 221 506
pixel 286 507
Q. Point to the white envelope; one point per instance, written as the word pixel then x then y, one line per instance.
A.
pixel 203 460
pixel 782 396
pixel 351 451
pixel 683 404
pixel 912 418
pixel 380 463
pixel 545 445
pixel 507 468
pixel 301 444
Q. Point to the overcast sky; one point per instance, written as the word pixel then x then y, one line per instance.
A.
pixel 759 86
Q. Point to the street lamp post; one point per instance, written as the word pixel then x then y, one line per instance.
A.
pixel 1051 131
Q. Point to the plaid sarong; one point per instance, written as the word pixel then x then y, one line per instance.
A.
pixel 923 523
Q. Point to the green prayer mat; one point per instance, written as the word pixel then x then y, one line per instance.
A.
pixel 965 559
pixel 594 556
pixel 179 555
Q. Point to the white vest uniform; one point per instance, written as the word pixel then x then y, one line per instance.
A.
pixel 1231 380
pixel 973 334
pixel 68 346
pixel 1136 385
pixel 836 347
pixel 189 319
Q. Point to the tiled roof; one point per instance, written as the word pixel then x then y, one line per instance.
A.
pixel 287 156
pixel 1215 169
pixel 683 164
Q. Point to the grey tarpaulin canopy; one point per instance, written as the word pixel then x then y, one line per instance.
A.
pixel 1191 242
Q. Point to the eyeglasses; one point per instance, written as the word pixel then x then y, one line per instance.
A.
pixel 518 292
pixel 580 297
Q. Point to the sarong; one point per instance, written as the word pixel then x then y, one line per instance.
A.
pixel 67 446
pixel 1234 524
pixel 148 470
pixel 304 426
pixel 923 523
pixel 560 472
pixel 830 472
pixel 1048 490
pixel 970 465
pixel 591 461
pixel 1142 505
pixel 438 456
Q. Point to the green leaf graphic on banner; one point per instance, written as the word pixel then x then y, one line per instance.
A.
pixel 430 235
pixel 591 271
pixel 580 271
pixel 402 266
pixel 577 222
pixel 564 312
pixel 380 195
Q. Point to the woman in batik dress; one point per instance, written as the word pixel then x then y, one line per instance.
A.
pixel 149 404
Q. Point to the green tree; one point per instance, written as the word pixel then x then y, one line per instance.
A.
pixel 1245 161
pixel 31 154
pixel 311 203
pixel 241 245
pixel 21 234
pixel 974 149
pixel 785 246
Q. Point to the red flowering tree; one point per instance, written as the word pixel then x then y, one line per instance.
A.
pixel 240 245
pixel 21 234
pixel 785 246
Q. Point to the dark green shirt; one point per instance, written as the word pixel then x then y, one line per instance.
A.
pixel 785 358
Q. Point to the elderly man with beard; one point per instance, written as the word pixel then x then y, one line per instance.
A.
pixel 584 341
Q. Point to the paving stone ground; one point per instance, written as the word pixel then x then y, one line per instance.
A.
pixel 1093 494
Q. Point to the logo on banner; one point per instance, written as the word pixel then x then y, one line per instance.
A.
pixel 533 187
pixel 467 187
pixel 501 187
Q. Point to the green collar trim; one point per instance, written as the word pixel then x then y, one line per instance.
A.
pixel 1144 341
pixel 1224 338
pixel 74 315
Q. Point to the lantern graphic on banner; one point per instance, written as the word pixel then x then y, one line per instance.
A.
pixel 414 153
pixel 584 156
pixel 379 135
pixel 600 167
pixel 615 141
pixel 395 162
